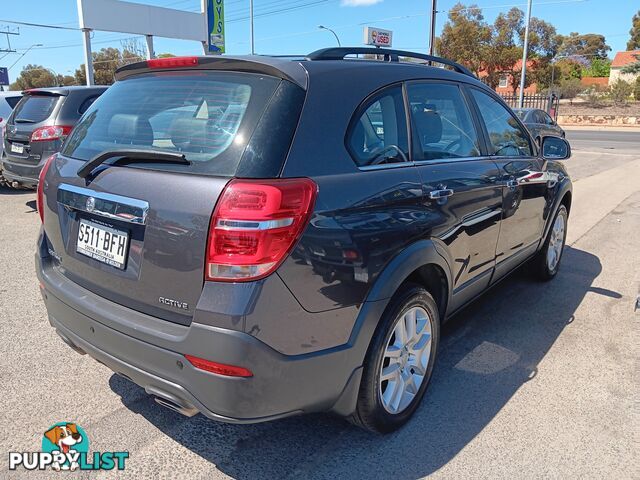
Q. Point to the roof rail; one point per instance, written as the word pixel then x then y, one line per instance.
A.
pixel 390 55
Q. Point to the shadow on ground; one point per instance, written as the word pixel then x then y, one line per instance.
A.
pixel 4 190
pixel 487 353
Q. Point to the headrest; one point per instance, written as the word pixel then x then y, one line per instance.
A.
pixel 129 128
pixel 428 122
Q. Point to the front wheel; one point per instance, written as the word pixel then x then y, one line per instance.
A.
pixel 399 361
pixel 547 260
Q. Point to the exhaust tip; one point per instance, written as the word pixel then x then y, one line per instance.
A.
pixel 184 410
pixel 72 345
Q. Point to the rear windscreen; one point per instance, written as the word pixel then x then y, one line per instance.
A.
pixel 208 116
pixel 34 108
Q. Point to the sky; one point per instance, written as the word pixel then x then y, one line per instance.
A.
pixel 291 26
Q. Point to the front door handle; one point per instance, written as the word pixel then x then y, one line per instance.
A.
pixel 438 194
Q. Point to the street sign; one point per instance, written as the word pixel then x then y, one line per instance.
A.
pixel 215 26
pixel 4 76
pixel 377 37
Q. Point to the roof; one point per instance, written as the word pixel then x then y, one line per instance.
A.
pixel 625 58
pixel 66 90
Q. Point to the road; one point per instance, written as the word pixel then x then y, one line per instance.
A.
pixel 534 380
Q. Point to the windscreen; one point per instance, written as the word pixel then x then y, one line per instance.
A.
pixel 34 108
pixel 521 114
pixel 207 116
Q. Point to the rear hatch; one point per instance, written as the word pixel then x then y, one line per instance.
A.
pixel 136 232
pixel 36 109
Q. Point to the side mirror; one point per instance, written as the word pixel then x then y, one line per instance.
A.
pixel 555 148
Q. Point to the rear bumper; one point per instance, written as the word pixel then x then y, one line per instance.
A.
pixel 282 385
pixel 19 171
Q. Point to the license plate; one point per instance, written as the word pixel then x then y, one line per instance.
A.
pixel 17 148
pixel 104 244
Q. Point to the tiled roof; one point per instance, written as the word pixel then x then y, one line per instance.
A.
pixel 625 58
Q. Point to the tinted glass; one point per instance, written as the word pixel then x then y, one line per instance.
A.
pixel 506 137
pixel 522 114
pixel 12 101
pixel 546 118
pixel 207 116
pixel 34 108
pixel 84 106
pixel 379 134
pixel 442 123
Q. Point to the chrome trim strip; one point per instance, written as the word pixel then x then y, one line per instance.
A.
pixel 249 225
pixel 469 221
pixel 107 205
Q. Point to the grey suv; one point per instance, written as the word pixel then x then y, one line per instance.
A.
pixel 258 237
pixel 38 125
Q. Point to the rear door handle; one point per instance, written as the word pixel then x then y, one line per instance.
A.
pixel 437 194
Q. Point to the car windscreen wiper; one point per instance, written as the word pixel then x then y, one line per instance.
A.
pixel 23 120
pixel 132 156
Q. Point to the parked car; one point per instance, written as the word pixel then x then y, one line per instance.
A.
pixel 38 126
pixel 539 123
pixel 8 101
pixel 273 252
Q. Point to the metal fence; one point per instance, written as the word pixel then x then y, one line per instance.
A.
pixel 543 102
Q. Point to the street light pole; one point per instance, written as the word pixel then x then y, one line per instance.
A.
pixel 432 31
pixel 23 54
pixel 322 27
pixel 524 56
pixel 253 48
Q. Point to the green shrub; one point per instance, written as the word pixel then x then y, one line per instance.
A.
pixel 636 93
pixel 621 91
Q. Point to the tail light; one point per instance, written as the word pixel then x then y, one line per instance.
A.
pixel 40 197
pixel 219 368
pixel 172 62
pixel 255 225
pixel 55 132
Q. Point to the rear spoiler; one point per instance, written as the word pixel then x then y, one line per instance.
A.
pixel 46 93
pixel 279 68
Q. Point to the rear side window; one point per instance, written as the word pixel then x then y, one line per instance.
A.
pixel 207 116
pixel 12 101
pixel 34 108
pixel 506 137
pixel 84 106
pixel 442 122
pixel 378 133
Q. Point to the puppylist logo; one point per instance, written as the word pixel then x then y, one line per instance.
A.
pixel 65 446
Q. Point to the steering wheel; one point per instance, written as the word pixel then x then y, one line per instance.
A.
pixel 380 157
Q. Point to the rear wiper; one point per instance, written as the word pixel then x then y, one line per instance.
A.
pixel 23 120
pixel 132 156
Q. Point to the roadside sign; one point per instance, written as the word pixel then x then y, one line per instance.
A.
pixel 215 26
pixel 377 37
pixel 4 76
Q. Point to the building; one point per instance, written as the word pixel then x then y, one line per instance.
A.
pixel 505 82
pixel 621 60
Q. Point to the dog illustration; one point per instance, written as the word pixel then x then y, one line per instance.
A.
pixel 64 437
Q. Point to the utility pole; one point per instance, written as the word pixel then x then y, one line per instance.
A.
pixel 6 31
pixel 432 31
pixel 524 56
pixel 253 48
pixel 88 57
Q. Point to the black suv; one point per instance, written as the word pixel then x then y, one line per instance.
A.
pixel 257 237
pixel 36 129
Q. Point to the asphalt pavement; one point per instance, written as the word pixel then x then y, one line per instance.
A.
pixel 535 380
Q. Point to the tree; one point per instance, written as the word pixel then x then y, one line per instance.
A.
pixel 465 37
pixel 108 60
pixel 634 41
pixel 636 90
pixel 34 76
pixel 632 68
pixel 597 68
pixel 621 91
pixel 590 45
pixel 570 88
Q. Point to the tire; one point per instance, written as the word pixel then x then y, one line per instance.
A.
pixel 376 399
pixel 542 265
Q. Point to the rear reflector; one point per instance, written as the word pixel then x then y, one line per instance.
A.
pixel 172 62
pixel 219 368
pixel 54 132
pixel 40 194
pixel 255 225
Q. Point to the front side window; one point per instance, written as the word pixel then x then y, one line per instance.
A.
pixel 378 135
pixel 506 137
pixel 442 123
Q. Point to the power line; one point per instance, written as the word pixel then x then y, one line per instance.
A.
pixel 39 25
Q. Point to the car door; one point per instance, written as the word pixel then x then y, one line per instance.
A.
pixel 522 177
pixel 460 186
